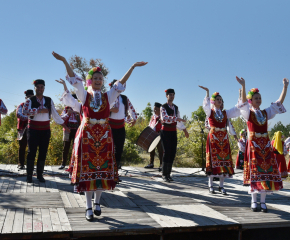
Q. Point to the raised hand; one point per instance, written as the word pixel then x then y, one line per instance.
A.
pixel 204 88
pixel 241 81
pixel 139 64
pixel 285 82
pixel 61 81
pixel 58 57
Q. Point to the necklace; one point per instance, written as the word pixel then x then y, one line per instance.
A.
pixel 260 117
pixel 95 102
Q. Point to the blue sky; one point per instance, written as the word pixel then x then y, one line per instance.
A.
pixel 187 43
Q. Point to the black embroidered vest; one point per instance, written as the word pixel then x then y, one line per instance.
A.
pixel 36 104
pixel 170 112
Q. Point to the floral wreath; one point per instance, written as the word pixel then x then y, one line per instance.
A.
pixel 213 97
pixel 242 131
pixel 90 75
pixel 251 94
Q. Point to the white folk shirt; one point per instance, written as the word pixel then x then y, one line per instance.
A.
pixel 171 119
pixel 121 113
pixel 41 117
pixel 20 115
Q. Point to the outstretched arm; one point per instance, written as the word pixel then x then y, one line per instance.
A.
pixel 206 89
pixel 61 81
pixel 128 74
pixel 284 91
pixel 70 72
pixel 243 83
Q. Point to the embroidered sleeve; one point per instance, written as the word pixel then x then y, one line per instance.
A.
pixel 231 128
pixel 275 108
pixel 287 142
pixel 55 114
pixel 3 109
pixel 180 125
pixel 77 83
pixel 132 111
pixel 206 106
pixel 165 118
pixel 244 109
pixel 68 100
pixel 285 149
pixel 20 115
pixel 235 111
pixel 241 146
pixel 27 110
pixel 115 91
pixel 64 115
pixel 151 123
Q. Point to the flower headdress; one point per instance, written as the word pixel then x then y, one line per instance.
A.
pixel 251 93
pixel 90 75
pixel 213 97
pixel 242 132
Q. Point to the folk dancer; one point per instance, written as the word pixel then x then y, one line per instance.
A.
pixel 72 121
pixel 287 145
pixel 155 124
pixel 95 168
pixel 121 111
pixel 261 171
pixel 242 147
pixel 40 109
pixel 218 153
pixel 170 118
pixel 279 149
pixel 22 121
pixel 3 109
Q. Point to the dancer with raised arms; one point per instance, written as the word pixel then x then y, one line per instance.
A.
pixel 261 172
pixel 95 167
pixel 218 153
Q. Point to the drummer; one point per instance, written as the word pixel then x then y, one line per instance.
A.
pixel 121 111
pixel 171 120
pixel 155 124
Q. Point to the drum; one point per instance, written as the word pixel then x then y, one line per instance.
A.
pixel 148 139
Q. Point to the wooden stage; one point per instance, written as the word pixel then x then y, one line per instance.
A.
pixel 142 207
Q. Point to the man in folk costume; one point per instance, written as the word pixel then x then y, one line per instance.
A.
pixel 95 169
pixel 22 121
pixel 155 124
pixel 242 147
pixel 121 111
pixel 40 109
pixel 72 121
pixel 3 109
pixel 171 120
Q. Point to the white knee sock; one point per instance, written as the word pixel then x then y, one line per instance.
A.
pixel 263 200
pixel 89 201
pixel 254 200
pixel 97 199
pixel 210 181
pixel 222 179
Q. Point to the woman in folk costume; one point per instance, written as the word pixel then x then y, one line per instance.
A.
pixel 261 171
pixel 287 146
pixel 242 147
pixel 218 153
pixel 279 149
pixel 95 168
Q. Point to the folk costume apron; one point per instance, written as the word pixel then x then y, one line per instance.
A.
pixel 93 165
pixel 261 171
pixel 281 161
pixel 218 152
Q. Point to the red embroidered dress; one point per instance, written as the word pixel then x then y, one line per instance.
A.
pixel 218 152
pixel 261 171
pixel 93 166
pixel 281 161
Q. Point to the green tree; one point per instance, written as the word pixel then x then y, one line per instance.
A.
pixel 280 127
pixel 81 66
pixel 199 113
pixel 147 112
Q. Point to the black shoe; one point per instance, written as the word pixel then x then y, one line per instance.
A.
pixel 149 166
pixel 21 167
pixel 29 179
pixel 166 179
pixel 211 191
pixel 223 192
pixel 254 209
pixel 90 217
pixel 263 209
pixel 97 212
pixel 61 167
pixel 170 178
pixel 119 166
pixel 160 169
pixel 81 193
pixel 40 179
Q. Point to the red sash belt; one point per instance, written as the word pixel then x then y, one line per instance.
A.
pixel 116 123
pixel 169 127
pixel 39 125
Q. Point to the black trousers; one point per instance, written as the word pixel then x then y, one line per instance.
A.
pixel 119 140
pixel 169 140
pixel 37 139
pixel 66 145
pixel 160 153
pixel 22 148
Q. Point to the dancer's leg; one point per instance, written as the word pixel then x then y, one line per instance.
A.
pixel 89 202
pixel 210 183
pixel 263 200
pixel 97 199
pixel 254 201
pixel 222 179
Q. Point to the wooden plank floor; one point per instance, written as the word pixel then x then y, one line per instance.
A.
pixel 141 204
